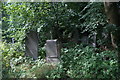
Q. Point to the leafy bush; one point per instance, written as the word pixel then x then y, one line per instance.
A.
pixel 76 62
pixel 9 51
pixel 24 67
pixel 42 52
pixel 16 66
pixel 79 62
pixel 57 72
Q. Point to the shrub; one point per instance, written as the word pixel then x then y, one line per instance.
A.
pixel 9 51
pixel 76 62
pixel 42 52
pixel 79 62
pixel 25 67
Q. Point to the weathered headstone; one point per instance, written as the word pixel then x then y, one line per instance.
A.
pixel 52 51
pixel 31 44
pixel 94 39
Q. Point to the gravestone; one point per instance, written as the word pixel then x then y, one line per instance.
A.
pixel 52 51
pixel 31 44
pixel 94 39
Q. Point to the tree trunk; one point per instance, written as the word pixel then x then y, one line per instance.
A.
pixel 112 12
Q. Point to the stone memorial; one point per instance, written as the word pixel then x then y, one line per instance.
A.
pixel 52 51
pixel 31 44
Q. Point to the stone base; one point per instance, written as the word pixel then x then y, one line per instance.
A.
pixel 52 60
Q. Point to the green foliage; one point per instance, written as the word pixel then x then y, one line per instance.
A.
pixel 11 50
pixel 24 67
pixel 57 72
pixel 42 52
pixel 93 17
pixel 94 22
pixel 56 20
pixel 76 62
pixel 79 62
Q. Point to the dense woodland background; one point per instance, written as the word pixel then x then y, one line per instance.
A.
pixel 88 33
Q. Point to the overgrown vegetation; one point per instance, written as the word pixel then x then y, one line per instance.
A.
pixel 78 62
pixel 69 23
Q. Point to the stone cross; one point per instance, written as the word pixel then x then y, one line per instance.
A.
pixel 31 44
pixel 52 51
